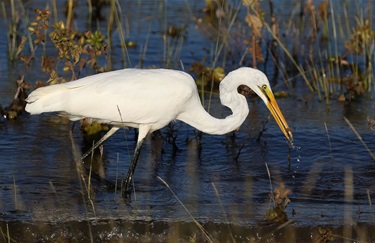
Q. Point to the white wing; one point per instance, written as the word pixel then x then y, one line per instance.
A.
pixel 129 96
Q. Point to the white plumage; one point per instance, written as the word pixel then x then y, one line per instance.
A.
pixel 148 99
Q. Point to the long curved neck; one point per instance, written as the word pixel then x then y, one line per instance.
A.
pixel 196 116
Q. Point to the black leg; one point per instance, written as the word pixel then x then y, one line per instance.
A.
pixel 143 130
pixel 127 184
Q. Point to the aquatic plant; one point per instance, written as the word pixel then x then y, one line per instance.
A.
pixel 255 22
pixel 325 234
pixel 77 49
pixel 17 106
pixel 280 200
pixel 321 69
pixel 173 38
pixel 206 75
pixel 329 54
pixel 13 26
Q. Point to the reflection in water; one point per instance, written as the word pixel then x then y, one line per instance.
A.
pixel 221 180
pixel 228 182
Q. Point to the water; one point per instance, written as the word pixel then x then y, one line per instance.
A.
pixel 225 187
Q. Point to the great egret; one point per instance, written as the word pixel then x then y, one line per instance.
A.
pixel 149 100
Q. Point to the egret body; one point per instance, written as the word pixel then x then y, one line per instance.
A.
pixel 148 99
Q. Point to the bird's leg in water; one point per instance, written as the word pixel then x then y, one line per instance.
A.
pixel 98 143
pixel 127 184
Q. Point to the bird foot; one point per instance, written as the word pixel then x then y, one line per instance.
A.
pixel 126 197
pixel 126 190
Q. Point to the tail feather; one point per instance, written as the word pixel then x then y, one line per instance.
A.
pixel 45 99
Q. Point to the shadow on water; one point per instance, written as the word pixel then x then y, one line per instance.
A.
pixel 221 180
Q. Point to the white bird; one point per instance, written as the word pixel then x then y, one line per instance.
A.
pixel 150 99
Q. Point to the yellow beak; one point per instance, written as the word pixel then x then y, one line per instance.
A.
pixel 276 113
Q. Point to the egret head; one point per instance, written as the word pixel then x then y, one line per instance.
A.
pixel 258 82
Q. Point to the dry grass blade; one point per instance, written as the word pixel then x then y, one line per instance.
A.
pixel 329 140
pixel 6 235
pixel 269 177
pixel 205 233
pixel 359 137
pixel 222 207
pixel 283 47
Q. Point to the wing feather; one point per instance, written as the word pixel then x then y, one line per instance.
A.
pixel 129 95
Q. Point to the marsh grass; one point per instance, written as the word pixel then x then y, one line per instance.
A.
pixel 329 140
pixel 320 76
pixel 6 235
pixel 201 228
pixel 81 171
pixel 359 138
pixel 115 18
pixel 346 46
pixel 218 196
pixel 13 26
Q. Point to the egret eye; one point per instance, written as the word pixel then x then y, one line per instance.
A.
pixel 264 86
